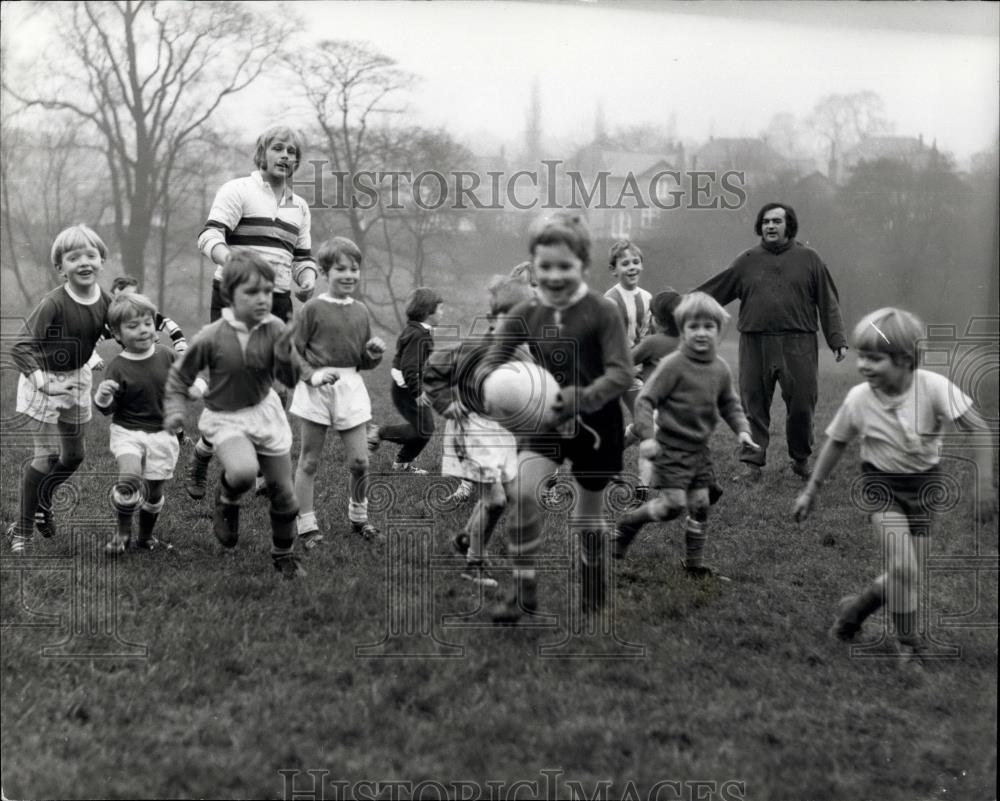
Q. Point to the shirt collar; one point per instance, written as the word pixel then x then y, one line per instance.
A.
pixel 239 325
pixel 339 301
pixel 80 298
pixel 138 357
pixel 286 192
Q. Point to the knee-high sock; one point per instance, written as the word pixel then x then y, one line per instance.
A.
pixel 694 543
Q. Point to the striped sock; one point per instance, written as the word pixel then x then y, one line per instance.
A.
pixel 694 541
pixel 357 511
pixel 31 481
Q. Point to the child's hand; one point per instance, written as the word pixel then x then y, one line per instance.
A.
pixel 198 388
pixel 97 364
pixel 106 392
pixel 61 385
pixel 174 422
pixel 302 295
pixel 325 375
pixel 648 448
pixel 746 439
pixel 804 504
pixel 375 347
pixel 456 411
pixel 567 404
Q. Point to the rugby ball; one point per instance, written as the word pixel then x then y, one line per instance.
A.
pixel 521 396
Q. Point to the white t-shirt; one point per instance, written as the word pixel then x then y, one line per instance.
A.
pixel 903 434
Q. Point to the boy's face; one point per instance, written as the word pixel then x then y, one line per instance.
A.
pixel 343 276
pixel 559 272
pixel 882 372
pixel 627 269
pixel 700 334
pixel 280 160
pixel 137 334
pixel 437 316
pixel 251 301
pixel 80 267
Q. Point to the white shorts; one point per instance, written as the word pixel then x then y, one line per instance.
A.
pixel 488 450
pixel 265 425
pixel 343 404
pixel 158 451
pixel 71 408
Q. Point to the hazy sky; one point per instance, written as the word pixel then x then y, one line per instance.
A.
pixel 721 68
pixel 718 68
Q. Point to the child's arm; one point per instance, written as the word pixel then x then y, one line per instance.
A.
pixel 656 389
pixel 371 357
pixel 828 458
pixel 177 338
pixel 106 396
pixel 411 362
pixel 287 360
pixel 979 441
pixel 182 375
pixel 440 386
pixel 27 352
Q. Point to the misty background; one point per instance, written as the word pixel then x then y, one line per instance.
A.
pixel 876 121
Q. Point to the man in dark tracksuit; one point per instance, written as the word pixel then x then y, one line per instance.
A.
pixel 782 286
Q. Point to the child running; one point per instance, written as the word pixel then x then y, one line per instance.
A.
pixel 675 415
pixel 577 336
pixel 899 413
pixel 333 341
pixel 244 351
pixel 477 449
pixel 625 264
pixel 133 394
pixel 51 353
pixel 414 345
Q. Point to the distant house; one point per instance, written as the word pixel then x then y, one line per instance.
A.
pixel 752 156
pixel 909 150
pixel 619 189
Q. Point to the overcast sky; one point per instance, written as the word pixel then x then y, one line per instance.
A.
pixel 720 68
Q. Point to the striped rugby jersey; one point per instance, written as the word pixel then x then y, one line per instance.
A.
pixel 246 213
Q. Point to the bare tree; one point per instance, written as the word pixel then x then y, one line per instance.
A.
pixel 841 121
pixel 147 76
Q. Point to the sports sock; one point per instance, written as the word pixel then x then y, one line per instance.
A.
pixel 306 522
pixel 694 542
pixel 31 482
pixel 868 603
pixel 228 494
pixel 148 515
pixel 57 476
pixel 282 532
pixel 357 511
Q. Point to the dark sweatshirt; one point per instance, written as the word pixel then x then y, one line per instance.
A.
pixel 781 289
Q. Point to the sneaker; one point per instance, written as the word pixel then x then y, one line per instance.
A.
pixel 478 573
pixel 512 609
pixel 153 544
pixel 374 440
pixel 289 567
pixel 226 522
pixel 197 475
pixel 368 532
pixel 801 468
pixel 45 523
pixel 843 629
pixel 912 654
pixel 407 467
pixel 259 486
pixel 620 541
pixel 463 492
pixel 748 474
pixel 117 545
pixel 460 542
pixel 703 572
pixel 310 539
pixel 18 542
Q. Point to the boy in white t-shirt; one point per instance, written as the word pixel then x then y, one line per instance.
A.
pixel 900 414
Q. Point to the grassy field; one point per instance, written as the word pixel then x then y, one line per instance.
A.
pixel 213 678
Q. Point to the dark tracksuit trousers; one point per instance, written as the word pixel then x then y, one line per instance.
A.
pixel 416 432
pixel 791 360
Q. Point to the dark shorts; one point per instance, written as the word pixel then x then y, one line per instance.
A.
pixel 684 470
pixel 594 450
pixel 916 495
pixel 281 304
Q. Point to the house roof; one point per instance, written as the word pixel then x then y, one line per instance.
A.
pixel 872 148
pixel 743 153
pixel 619 163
